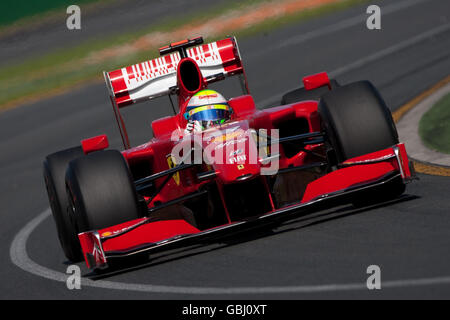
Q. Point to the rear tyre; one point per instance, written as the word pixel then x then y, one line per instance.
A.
pixel 101 191
pixel 301 94
pixel 55 166
pixel 357 121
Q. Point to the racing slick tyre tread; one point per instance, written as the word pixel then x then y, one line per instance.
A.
pixel 102 191
pixel 301 94
pixel 55 166
pixel 357 120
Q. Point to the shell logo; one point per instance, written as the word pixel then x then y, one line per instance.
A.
pixel 227 136
pixel 172 164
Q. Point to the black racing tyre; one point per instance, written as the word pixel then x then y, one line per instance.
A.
pixel 101 191
pixel 356 120
pixel 301 94
pixel 55 166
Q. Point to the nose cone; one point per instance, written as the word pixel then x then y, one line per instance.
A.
pixel 232 152
pixel 234 172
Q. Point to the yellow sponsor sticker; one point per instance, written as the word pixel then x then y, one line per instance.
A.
pixel 172 164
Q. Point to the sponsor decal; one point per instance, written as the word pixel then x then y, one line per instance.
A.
pixel 236 152
pixel 172 164
pixel 227 136
pixel 214 95
pixel 386 157
pixel 229 143
pixel 114 232
pixel 238 159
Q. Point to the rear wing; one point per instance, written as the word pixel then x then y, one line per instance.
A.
pixel 158 77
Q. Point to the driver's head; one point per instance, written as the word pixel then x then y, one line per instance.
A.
pixel 209 108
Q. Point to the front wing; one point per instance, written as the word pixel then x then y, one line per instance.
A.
pixel 143 236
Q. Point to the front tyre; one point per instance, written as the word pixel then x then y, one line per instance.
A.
pixel 101 191
pixel 357 121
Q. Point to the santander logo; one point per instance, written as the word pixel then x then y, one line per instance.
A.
pixel 208 96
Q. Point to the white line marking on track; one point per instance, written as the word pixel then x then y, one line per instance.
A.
pixel 19 256
pixel 373 57
pixel 333 28
pixel 390 50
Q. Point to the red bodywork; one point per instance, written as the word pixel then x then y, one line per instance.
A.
pixel 147 235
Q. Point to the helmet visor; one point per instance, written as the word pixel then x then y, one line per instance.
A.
pixel 208 112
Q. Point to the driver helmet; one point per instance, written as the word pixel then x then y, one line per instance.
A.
pixel 208 108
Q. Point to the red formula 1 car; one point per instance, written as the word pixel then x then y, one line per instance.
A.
pixel 326 144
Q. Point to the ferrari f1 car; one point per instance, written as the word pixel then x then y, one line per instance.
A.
pixel 326 144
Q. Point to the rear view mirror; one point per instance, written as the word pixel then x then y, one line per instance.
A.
pixel 316 81
pixel 95 144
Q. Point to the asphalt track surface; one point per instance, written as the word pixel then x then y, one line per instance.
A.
pixel 325 256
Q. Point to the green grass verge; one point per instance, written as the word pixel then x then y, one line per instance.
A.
pixel 59 70
pixel 434 127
